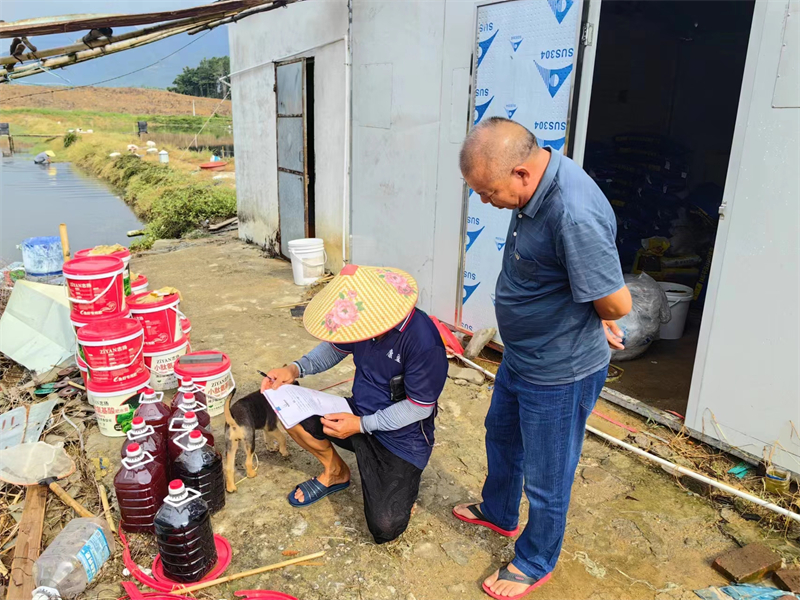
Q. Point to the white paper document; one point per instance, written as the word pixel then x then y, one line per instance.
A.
pixel 293 404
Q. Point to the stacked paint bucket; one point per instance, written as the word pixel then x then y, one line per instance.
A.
pixel 110 344
pixel 164 338
pixel 210 372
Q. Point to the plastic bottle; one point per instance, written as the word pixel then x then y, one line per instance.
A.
pixel 188 386
pixel 184 535
pixel 141 486
pixel 189 403
pixel 181 429
pixel 199 466
pixel 153 410
pixel 148 438
pixel 72 560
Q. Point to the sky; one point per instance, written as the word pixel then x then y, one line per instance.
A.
pixel 215 43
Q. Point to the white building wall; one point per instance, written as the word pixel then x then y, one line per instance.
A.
pixel 311 28
pixel 411 63
pixel 746 388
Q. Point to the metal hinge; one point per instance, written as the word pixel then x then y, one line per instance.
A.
pixel 722 208
pixel 587 34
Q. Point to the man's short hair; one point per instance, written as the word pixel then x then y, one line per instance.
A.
pixel 498 144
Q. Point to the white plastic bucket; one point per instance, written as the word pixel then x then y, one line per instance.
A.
pixel 161 364
pixel 113 408
pixel 308 260
pixel 679 297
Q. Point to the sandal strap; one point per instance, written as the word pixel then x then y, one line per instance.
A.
pixel 311 489
pixel 506 575
pixel 476 512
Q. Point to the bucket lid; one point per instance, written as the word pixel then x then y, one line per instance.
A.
pixel 110 330
pixel 166 348
pixel 202 370
pixel 134 302
pixel 119 388
pixel 122 254
pixel 140 280
pixel 93 266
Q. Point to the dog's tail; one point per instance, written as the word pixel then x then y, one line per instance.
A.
pixel 228 416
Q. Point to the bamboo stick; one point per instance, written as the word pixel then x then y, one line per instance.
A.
pixel 61 61
pixel 101 43
pixel 106 507
pixel 62 230
pixel 213 582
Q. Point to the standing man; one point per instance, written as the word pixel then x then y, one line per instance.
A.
pixel 559 292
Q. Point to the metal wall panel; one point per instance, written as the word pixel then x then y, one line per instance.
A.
pixel 292 206
pixel 290 88
pixel 745 387
pixel 291 142
pixel 524 62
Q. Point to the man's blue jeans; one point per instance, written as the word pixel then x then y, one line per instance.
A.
pixel 534 435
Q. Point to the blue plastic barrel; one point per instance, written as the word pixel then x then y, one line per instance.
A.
pixel 42 256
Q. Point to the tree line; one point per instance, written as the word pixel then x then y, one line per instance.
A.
pixel 203 80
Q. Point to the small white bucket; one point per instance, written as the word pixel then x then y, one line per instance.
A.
pixel 308 260
pixel 679 297
pixel 161 364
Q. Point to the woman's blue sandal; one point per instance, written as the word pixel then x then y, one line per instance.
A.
pixel 313 491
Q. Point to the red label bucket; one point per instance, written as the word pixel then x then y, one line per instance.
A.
pixel 139 285
pixel 161 364
pixel 124 255
pixel 112 351
pixel 214 379
pixel 94 287
pixel 160 319
pixel 186 326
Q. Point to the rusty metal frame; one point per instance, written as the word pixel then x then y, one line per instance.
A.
pixel 304 174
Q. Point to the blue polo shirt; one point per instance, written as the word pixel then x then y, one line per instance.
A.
pixel 560 255
pixel 415 349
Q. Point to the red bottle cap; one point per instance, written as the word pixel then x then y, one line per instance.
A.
pixel 148 391
pixel 195 435
pixel 189 397
pixel 133 450
pixel 137 421
pixel 176 487
pixel 187 381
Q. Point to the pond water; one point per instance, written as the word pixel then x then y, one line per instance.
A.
pixel 35 199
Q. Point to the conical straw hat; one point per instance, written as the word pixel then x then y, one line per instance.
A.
pixel 361 303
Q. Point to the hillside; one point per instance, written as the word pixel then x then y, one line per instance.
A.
pixel 136 101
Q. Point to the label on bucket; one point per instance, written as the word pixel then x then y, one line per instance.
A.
pixel 216 390
pixel 162 369
pixel 115 413
pixel 97 297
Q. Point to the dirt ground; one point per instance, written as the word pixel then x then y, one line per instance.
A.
pixel 633 531
pixel 136 101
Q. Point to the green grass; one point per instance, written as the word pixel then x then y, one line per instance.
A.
pixel 119 122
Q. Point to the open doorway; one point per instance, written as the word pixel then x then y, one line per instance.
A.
pixel 665 94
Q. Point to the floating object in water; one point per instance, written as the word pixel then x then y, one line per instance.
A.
pixel 214 165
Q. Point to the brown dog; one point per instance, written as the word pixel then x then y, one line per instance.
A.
pixel 241 422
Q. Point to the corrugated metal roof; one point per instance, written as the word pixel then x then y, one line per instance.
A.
pixel 68 23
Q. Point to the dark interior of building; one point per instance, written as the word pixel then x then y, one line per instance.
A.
pixel 665 95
